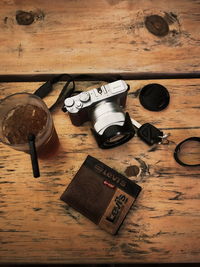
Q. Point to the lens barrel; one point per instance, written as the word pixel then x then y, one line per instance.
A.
pixel 115 135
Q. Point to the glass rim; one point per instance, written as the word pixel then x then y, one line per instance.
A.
pixel 20 93
pixel 27 94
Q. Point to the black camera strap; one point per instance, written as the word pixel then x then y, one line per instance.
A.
pixel 47 87
pixel 68 90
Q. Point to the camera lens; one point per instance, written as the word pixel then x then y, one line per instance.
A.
pixel 112 127
pixel 116 138
pixel 106 114
pixel 115 135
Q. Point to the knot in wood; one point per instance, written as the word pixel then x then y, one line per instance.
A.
pixel 24 17
pixel 157 25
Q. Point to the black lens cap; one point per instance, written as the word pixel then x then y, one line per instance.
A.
pixel 154 97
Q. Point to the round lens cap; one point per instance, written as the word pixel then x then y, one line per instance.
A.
pixel 154 97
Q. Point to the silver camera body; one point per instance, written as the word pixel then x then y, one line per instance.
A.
pixel 104 108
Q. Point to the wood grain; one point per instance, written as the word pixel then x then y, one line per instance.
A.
pixel 105 36
pixel 163 225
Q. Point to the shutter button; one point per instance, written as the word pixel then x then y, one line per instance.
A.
pixel 78 104
pixel 84 97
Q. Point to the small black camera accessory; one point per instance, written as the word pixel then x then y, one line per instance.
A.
pixel 104 108
pixel 154 97
pixel 187 153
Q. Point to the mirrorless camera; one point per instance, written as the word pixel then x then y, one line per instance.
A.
pixel 104 108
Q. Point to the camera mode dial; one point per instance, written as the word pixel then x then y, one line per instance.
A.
pixel 69 102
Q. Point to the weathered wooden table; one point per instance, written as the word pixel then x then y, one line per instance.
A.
pixel 111 37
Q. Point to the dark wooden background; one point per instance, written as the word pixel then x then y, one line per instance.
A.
pixel 106 36
pixel 96 37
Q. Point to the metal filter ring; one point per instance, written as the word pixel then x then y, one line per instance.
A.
pixel 178 150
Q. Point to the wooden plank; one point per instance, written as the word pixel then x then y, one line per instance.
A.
pixel 102 37
pixel 163 225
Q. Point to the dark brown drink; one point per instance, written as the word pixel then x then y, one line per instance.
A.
pixel 23 120
pixel 50 147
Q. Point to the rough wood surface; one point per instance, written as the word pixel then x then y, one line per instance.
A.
pixel 104 36
pixel 163 225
